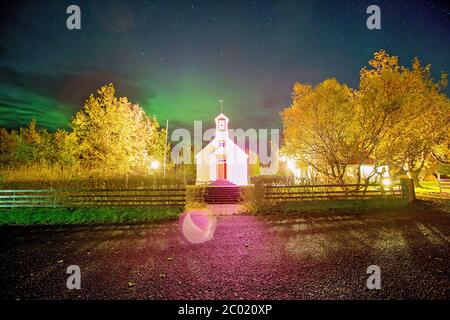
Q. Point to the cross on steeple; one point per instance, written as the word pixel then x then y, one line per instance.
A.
pixel 221 105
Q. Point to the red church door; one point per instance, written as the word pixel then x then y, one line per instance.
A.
pixel 221 169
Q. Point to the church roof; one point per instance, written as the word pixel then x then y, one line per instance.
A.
pixel 211 146
pixel 211 149
pixel 221 116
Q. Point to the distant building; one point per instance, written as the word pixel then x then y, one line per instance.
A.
pixel 222 159
pixel 303 172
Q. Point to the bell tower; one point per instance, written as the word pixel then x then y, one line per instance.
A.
pixel 221 126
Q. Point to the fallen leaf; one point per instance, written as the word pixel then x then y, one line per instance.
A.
pixel 59 261
pixel 162 275
pixel 131 284
pixel 169 258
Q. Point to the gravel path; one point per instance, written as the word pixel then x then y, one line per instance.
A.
pixel 308 256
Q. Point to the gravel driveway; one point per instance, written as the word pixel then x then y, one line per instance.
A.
pixel 307 256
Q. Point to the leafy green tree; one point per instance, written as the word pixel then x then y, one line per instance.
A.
pixel 33 145
pixel 8 146
pixel 66 148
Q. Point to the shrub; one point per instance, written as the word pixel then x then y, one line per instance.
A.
pixel 38 176
pixel 195 196
pixel 254 200
pixel 272 180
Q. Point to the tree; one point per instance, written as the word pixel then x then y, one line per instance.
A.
pixel 320 128
pixel 116 135
pixel 8 145
pixel 440 156
pixel 66 148
pixel 415 111
pixel 399 117
pixel 33 145
pixel 254 169
pixel 441 150
pixel 157 142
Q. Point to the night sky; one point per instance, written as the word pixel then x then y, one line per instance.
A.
pixel 178 58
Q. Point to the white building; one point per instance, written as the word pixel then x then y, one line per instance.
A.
pixel 304 172
pixel 222 159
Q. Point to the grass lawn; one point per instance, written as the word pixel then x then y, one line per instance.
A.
pixel 428 186
pixel 39 216
pixel 339 205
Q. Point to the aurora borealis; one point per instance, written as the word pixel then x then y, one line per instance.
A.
pixel 178 58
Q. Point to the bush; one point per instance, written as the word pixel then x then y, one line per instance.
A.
pixel 272 180
pixel 195 196
pixel 254 200
pixel 75 177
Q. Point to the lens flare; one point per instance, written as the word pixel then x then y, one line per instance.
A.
pixel 198 226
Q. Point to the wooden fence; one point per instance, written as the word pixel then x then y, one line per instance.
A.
pixel 331 192
pixel 444 185
pixel 161 197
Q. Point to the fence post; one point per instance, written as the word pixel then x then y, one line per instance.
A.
pixel 408 192
pixel 382 189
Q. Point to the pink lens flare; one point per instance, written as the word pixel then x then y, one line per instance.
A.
pixel 198 226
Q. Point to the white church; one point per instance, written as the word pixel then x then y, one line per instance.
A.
pixel 222 160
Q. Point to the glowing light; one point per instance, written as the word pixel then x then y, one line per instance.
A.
pixel 291 164
pixel 199 226
pixel 387 182
pixel 154 164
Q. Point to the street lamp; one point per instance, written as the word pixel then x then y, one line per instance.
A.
pixel 154 164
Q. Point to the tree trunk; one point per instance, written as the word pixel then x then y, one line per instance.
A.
pixel 438 175
pixel 415 177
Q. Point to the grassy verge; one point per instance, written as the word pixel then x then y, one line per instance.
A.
pixel 428 186
pixel 338 205
pixel 39 216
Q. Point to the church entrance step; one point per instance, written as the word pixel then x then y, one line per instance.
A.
pixel 222 192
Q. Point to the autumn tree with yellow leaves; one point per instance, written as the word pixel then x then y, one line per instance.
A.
pixel 115 135
pixel 398 116
pixel 420 117
pixel 319 127
pixel 111 139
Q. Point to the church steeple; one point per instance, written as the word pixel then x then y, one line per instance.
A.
pixel 221 105
pixel 221 125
